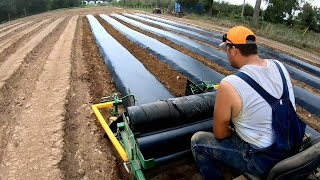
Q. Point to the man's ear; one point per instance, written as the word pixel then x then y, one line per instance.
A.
pixel 234 51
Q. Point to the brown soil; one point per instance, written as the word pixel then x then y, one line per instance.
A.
pixel 172 80
pixel 15 29
pixel 88 154
pixel 182 170
pixel 182 49
pixel 44 114
pixel 9 67
pixel 310 119
pixel 5 27
pixel 10 45
pixel 17 92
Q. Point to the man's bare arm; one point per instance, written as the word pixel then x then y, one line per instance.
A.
pixel 222 111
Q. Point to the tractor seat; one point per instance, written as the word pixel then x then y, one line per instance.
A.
pixel 298 166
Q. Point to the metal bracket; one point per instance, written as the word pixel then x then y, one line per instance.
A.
pixel 125 164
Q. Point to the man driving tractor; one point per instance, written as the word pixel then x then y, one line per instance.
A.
pixel 255 123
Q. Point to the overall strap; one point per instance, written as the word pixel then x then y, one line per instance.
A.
pixel 263 93
pixel 285 93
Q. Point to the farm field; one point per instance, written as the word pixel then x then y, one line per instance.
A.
pixel 52 70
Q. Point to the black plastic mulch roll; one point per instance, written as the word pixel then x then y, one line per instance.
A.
pixel 173 141
pixel 307 100
pixel 294 61
pixel 185 32
pixel 193 69
pixel 204 50
pixel 171 113
pixel 127 72
pixel 185 26
pixel 173 157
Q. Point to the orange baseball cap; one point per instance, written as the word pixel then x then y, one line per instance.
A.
pixel 239 35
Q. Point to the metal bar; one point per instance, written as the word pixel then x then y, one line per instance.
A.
pixel 104 105
pixel 107 129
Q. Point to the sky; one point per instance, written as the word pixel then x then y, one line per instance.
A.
pixel 264 4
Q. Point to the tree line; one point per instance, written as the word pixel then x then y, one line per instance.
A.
pixel 297 13
pixel 12 9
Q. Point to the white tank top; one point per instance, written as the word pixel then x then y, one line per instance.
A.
pixel 254 122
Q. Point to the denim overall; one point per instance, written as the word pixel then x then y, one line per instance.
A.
pixel 211 154
pixel 287 127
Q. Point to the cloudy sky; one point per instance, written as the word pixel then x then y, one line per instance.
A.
pixel 263 4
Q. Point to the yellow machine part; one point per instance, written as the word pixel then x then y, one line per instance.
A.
pixel 107 129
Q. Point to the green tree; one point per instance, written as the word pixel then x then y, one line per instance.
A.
pixel 38 6
pixel 24 7
pixel 11 9
pixel 279 11
pixel 309 17
pixel 248 10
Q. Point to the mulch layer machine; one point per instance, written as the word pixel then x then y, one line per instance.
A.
pixel 154 134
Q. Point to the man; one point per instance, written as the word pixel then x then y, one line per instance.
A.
pixel 260 103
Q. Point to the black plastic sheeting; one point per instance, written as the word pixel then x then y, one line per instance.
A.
pixel 204 50
pixel 173 141
pixel 215 55
pixel 303 76
pixel 294 61
pixel 188 27
pixel 185 32
pixel 276 55
pixel 127 72
pixel 294 72
pixel 171 113
pixel 307 100
pixel 298 73
pixel 193 69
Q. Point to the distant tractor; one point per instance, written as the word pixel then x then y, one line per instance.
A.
pixel 156 11
pixel 178 10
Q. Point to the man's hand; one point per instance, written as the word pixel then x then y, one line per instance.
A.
pixel 224 102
